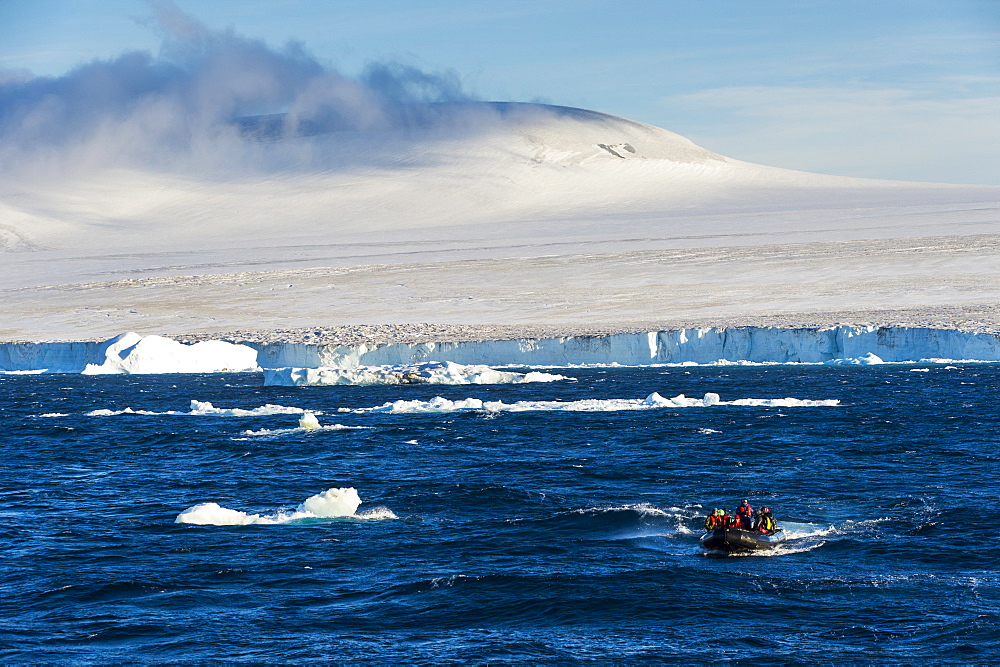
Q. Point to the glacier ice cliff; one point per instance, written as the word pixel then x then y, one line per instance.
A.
pixel 131 353
pixel 845 344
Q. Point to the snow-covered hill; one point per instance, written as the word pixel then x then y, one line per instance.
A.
pixel 478 213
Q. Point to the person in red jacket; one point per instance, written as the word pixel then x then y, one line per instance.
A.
pixel 717 519
pixel 745 513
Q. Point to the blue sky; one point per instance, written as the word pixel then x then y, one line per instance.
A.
pixel 895 89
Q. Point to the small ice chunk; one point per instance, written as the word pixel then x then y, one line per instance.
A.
pixel 332 502
pixel 213 514
pixel 308 421
pixel 656 400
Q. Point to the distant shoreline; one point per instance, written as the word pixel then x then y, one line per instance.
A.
pixel 771 339
pixel 979 319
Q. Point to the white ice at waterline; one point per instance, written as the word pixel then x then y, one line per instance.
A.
pixel 205 409
pixel 330 504
pixel 705 346
pixel 654 401
pixel 309 421
pixel 429 372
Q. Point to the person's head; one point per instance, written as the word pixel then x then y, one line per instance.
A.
pixel 766 510
pixel 746 502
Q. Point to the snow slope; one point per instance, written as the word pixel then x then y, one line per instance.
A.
pixel 487 214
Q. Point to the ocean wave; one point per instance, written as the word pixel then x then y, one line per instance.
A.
pixel 306 425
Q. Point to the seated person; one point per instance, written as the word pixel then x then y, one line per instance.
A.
pixel 765 522
pixel 745 513
pixel 717 519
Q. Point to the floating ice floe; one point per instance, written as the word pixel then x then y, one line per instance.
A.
pixel 653 401
pixel 431 372
pixel 870 359
pixel 105 412
pixel 309 421
pixel 206 409
pixel 330 504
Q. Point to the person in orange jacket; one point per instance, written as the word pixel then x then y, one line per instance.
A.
pixel 717 519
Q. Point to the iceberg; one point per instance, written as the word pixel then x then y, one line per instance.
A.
pixel 333 503
pixel 128 353
pixel 131 353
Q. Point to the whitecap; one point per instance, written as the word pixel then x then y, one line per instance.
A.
pixel 273 432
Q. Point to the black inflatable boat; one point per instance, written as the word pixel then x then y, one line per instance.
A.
pixel 727 540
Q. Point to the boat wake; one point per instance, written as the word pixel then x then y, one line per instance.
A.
pixel 802 537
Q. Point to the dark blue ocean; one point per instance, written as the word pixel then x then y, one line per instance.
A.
pixel 538 535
